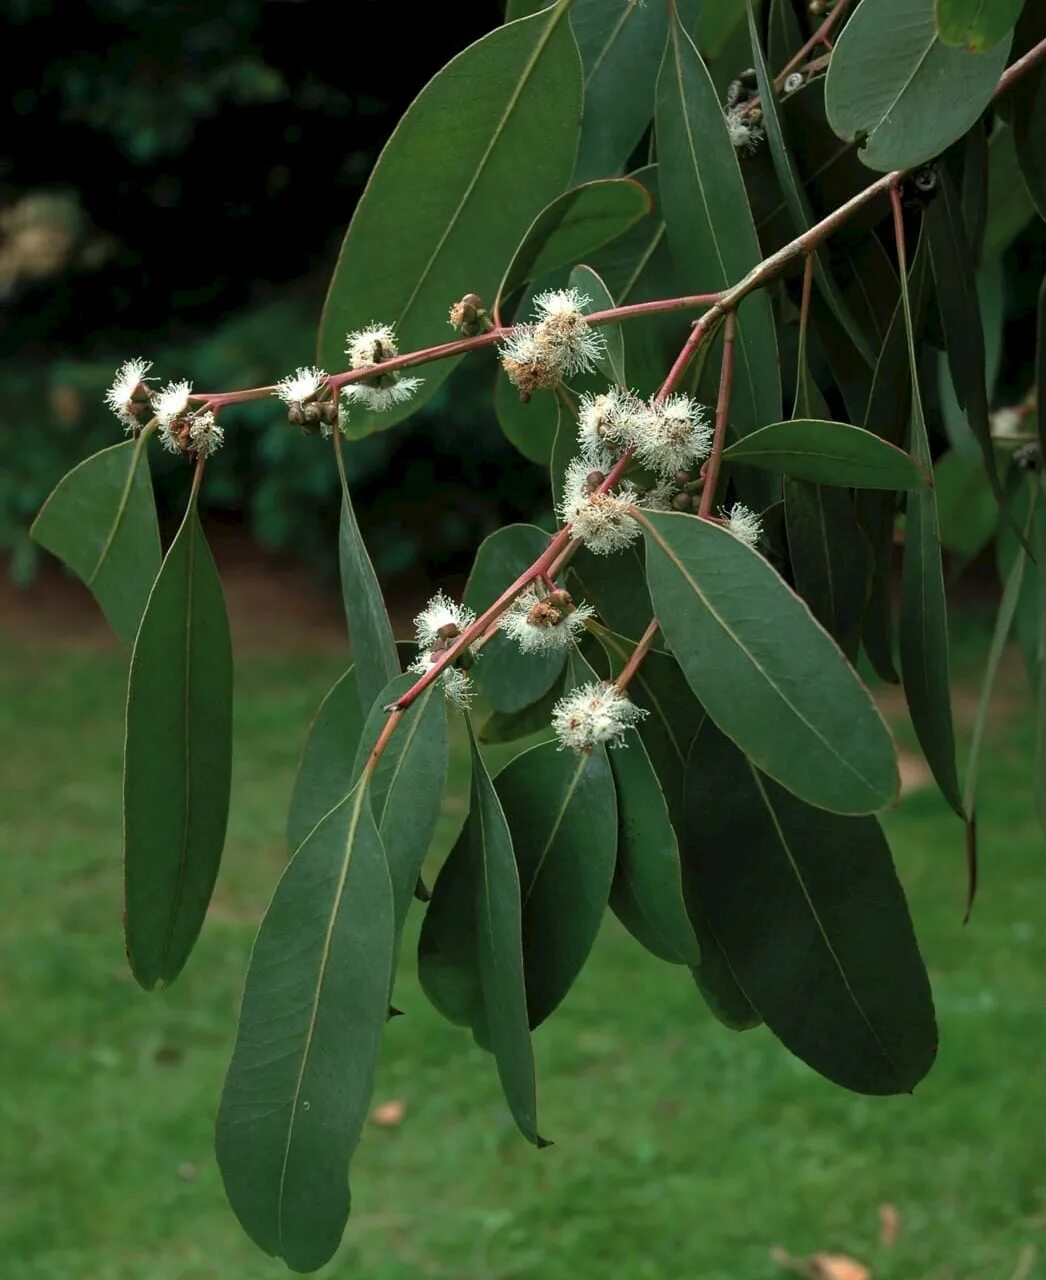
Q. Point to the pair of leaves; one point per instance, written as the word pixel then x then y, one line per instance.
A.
pixel 898 91
pixel 444 209
pixel 317 992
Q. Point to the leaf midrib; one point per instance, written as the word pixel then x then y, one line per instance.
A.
pixel 567 797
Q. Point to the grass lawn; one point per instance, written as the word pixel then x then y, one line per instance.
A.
pixel 681 1150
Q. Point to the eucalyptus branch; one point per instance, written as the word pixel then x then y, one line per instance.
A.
pixel 722 416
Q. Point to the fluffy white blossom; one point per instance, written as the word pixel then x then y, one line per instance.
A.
pixel 374 345
pixel 440 620
pixel 744 523
pixel 601 520
pixel 745 134
pixel 120 396
pixel 539 624
pixel 301 386
pixel 529 363
pixel 381 398
pixel 558 343
pixel 593 714
pixel 610 422
pixel 675 435
pixel 205 435
pixel 172 402
pixel 457 687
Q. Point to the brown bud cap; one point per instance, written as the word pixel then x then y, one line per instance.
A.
pixel 529 375
pixel 312 413
pixel 544 614
pixel 295 416
pixel 329 412
pixel 448 631
pixel 681 478
pixel 681 502
pixel 593 480
pixel 695 486
pixel 560 599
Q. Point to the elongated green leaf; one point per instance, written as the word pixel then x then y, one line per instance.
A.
pixel 977 24
pixel 530 425
pixel 830 557
pixel 314 1006
pixel 894 88
pixel 444 209
pixel 573 225
pixel 710 227
pixel 505 726
pixel 812 920
pixel 325 768
pixel 447 946
pixel 499 948
pixel 612 363
pixel 1040 366
pixel 370 632
pixel 769 676
pixel 177 758
pixel 621 45
pixel 828 453
pixel 562 814
pixel 923 630
pixel 1039 774
pixel 1010 205
pixel 100 520
pixel 795 196
pixel 647 893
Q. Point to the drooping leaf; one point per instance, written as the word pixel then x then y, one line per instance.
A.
pixel 647 893
pixel 830 557
pixel 100 520
pixel 447 946
pixel 177 758
pixel 966 508
pixel 1010 206
pixel 444 208
pixel 1039 774
pixel 812 921
pixel 314 1007
pixel 370 632
pixel 1029 123
pixel 509 726
pixel 573 226
pixel 499 948
pixel 710 227
pixel 828 453
pixel 896 90
pixel 621 45
pixel 769 676
pixel 977 24
pixel 1040 366
pixel 562 813
pixel 784 35
pixel 611 365
pixel 325 769
pixel 511 680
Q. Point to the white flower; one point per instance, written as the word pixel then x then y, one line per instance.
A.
pixel 593 714
pixel 441 620
pixel 120 396
pixel 611 422
pixel 366 347
pixel 601 520
pixel 205 435
pixel 744 524
pixel 660 497
pixel 561 328
pixel 381 398
pixel 561 304
pixel 530 365
pixel 457 687
pixel 745 134
pixel 300 386
pixel 675 436
pixel 172 402
pixel 539 623
pixel 1007 422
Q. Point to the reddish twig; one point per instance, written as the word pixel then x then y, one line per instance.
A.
pixel 710 471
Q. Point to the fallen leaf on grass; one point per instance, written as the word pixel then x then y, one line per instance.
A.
pixel 821 1266
pixel 889 1225
pixel 387 1115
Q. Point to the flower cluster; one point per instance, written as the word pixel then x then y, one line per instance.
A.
pixel 744 128
pixel 304 392
pixel 129 395
pixel 181 428
pixel 745 524
pixel 594 714
pixel 436 628
pixel 558 343
pixel 602 521
pixel 666 436
pixel 367 348
pixel 544 623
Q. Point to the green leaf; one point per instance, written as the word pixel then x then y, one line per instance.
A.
pixel 511 680
pixel 795 197
pixel 612 363
pixel 1010 206
pixel 177 758
pixel 573 226
pixel 923 630
pixel 314 1007
pixel 509 726
pixel 830 558
pixel 370 632
pixel 769 676
pixel 562 813
pixel 966 509
pixel 827 453
pixel 100 520
pixel 1039 773
pixel 895 88
pixel 444 208
pixel 710 227
pixel 621 44
pixel 813 923
pixel 499 948
pixel 325 769
pixel 977 24
pixel 531 426
pixel 1040 366
pixel 447 946
pixel 647 893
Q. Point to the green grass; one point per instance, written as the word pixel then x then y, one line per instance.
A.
pixel 681 1150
